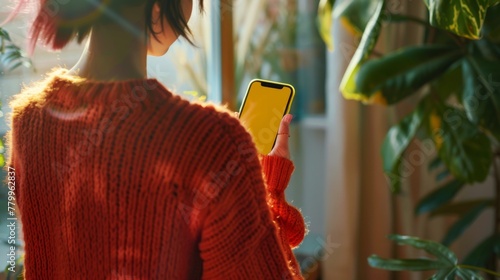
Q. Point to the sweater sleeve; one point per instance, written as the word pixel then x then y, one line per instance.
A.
pixel 239 238
pixel 277 171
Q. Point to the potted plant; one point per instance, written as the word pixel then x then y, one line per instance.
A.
pixel 455 76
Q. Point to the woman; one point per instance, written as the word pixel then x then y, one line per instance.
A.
pixel 118 178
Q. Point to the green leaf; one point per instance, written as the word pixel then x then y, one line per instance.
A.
pixel 12 47
pixel 325 20
pixel 480 255
pixel 396 142
pixel 463 223
pixel 405 264
pixel 15 65
pixel 460 208
pixel 401 18
pixel 446 84
pixel 485 49
pixel 438 197
pixel 10 57
pixel 356 14
pixel 467 274
pixel 443 254
pixel 401 73
pixel 481 93
pixel 442 176
pixel 435 164
pixel 444 274
pixel 4 34
pixel 462 17
pixel 365 48
pixel 491 27
pixel 465 150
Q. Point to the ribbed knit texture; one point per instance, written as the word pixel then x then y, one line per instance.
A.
pixel 124 180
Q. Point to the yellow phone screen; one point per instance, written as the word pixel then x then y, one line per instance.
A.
pixel 261 112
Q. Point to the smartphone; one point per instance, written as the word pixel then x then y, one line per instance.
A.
pixel 264 105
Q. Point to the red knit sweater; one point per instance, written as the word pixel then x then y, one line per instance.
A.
pixel 124 180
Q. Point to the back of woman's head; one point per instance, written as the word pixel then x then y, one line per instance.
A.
pixel 57 22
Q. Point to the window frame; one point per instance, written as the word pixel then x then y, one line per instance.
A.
pixel 220 63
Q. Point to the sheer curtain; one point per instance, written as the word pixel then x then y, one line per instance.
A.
pixel 357 199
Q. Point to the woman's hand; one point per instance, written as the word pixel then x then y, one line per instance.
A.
pixel 280 148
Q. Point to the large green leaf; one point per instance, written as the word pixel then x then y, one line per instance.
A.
pixel 462 17
pixel 465 150
pixel 467 274
pixel 485 49
pixel 325 20
pixel 405 264
pixel 356 14
pixel 438 250
pixel 491 27
pixel 445 274
pixel 447 84
pixel 438 197
pixel 446 265
pixel 396 142
pixel 481 93
pixel 435 164
pixel 482 252
pixel 463 223
pixel 460 208
pixel 401 73
pixel 365 48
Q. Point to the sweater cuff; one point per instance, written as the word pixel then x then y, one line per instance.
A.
pixel 277 171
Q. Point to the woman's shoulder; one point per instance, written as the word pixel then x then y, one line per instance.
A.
pixel 213 123
pixel 150 94
pixel 35 94
pixel 221 120
pixel 32 95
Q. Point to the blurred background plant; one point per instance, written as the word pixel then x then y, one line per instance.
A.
pixel 11 57
pixel 454 77
pixel 17 274
pixel 444 261
pixel 266 46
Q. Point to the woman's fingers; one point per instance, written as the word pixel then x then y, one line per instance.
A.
pixel 281 146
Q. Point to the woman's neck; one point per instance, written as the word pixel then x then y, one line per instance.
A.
pixel 115 51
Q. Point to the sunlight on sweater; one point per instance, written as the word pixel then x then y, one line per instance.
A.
pixel 67 115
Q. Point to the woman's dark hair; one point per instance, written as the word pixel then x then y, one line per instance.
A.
pixel 57 22
pixel 172 10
